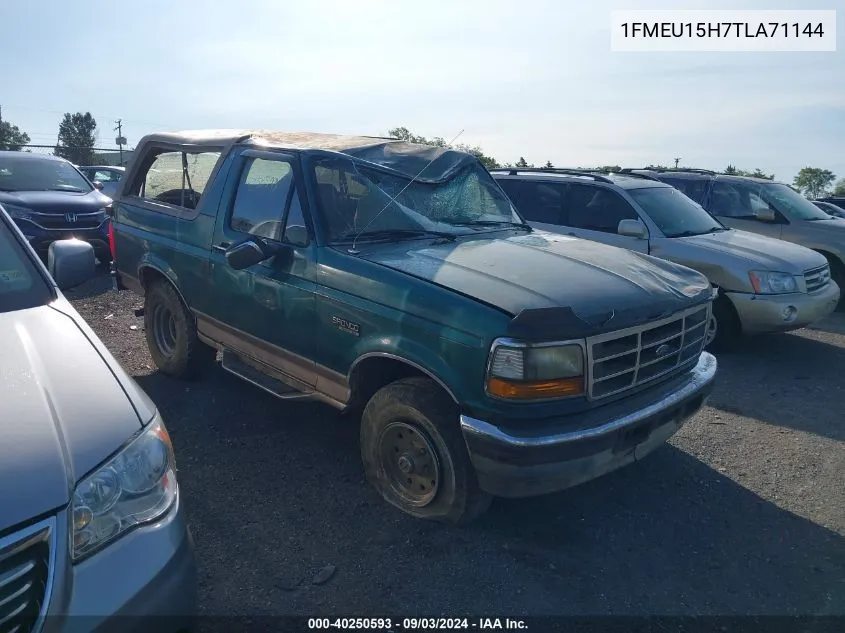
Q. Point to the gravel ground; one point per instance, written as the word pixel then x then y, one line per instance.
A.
pixel 742 513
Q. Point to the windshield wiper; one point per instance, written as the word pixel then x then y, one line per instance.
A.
pixel 398 234
pixel 69 188
pixel 715 229
pixel 502 223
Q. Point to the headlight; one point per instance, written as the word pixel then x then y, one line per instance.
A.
pixel 21 213
pixel 524 372
pixel 771 283
pixel 136 486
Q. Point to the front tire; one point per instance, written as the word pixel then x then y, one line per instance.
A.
pixel 837 273
pixel 414 454
pixel 724 328
pixel 171 333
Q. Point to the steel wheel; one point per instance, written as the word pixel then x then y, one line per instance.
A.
pixel 712 330
pixel 164 329
pixel 410 463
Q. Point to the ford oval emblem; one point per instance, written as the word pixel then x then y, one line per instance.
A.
pixel 663 350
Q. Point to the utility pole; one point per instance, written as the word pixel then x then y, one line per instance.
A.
pixel 120 141
pixel 677 160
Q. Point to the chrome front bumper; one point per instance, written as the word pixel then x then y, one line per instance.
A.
pixel 517 462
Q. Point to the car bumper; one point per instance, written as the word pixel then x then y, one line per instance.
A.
pixel 766 313
pixel 41 238
pixel 146 580
pixel 510 463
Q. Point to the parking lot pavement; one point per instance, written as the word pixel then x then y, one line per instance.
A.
pixel 744 511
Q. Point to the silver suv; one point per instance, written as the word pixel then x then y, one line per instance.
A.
pixel 766 285
pixel 764 207
pixel 91 519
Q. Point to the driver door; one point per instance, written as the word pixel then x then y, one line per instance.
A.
pixel 266 311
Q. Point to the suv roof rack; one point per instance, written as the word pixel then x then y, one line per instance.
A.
pixel 633 174
pixel 513 171
pixel 659 170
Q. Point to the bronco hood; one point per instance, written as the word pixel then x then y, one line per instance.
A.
pixel 555 286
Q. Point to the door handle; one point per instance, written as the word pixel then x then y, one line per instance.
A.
pixel 222 246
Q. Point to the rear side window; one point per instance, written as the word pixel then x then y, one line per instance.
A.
pixel 510 187
pixel 693 188
pixel 265 190
pixel 597 209
pixel 542 202
pixel 177 178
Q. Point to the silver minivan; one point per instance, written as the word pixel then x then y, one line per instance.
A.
pixel 92 525
pixel 765 284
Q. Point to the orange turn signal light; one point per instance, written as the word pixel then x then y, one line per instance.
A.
pixel 535 389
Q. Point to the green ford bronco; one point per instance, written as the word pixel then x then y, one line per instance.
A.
pixel 396 281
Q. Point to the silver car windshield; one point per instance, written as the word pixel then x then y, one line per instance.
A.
pixel 791 203
pixel 675 214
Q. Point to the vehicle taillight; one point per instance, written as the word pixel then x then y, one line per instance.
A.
pixel 111 237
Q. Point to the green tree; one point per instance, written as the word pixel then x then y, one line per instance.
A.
pixel 757 173
pixel 11 138
pixel 839 188
pixel 77 136
pixel 522 162
pixel 814 181
pixel 405 134
pixel 548 165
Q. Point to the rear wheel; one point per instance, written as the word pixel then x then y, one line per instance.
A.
pixel 171 333
pixel 414 453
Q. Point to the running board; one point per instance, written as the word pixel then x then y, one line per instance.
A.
pixel 249 371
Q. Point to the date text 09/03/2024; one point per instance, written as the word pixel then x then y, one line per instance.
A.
pixel 720 29
pixel 417 624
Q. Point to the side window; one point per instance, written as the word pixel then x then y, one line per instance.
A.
pixel 692 188
pixel 177 178
pixel 105 176
pixel 511 188
pixel 542 202
pixel 261 198
pixel 727 201
pixel 597 209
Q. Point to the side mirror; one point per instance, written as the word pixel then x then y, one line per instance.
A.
pixel 70 262
pixel 97 185
pixel 632 228
pixel 764 215
pixel 249 253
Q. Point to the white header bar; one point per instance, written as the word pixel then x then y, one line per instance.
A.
pixel 723 31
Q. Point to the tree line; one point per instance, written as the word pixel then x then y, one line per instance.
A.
pixel 813 182
pixel 75 142
pixel 77 138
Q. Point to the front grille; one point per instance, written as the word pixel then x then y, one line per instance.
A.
pixel 24 578
pixel 68 221
pixel 622 360
pixel 817 278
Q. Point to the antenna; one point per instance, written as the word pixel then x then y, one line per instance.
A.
pixel 355 251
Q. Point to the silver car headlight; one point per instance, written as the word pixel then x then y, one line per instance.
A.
pixel 21 213
pixel 772 283
pixel 522 371
pixel 136 486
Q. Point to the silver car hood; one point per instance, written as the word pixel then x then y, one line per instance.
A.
pixel 761 252
pixel 63 410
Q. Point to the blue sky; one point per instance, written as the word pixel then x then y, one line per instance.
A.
pixel 534 79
